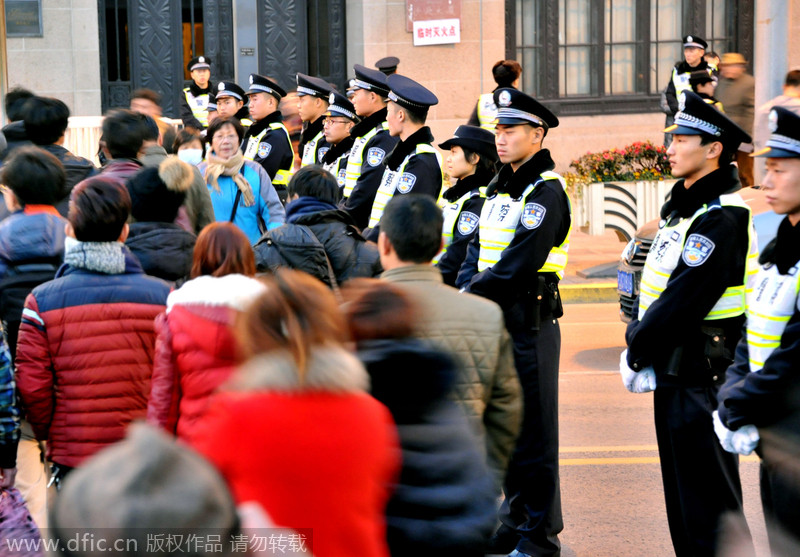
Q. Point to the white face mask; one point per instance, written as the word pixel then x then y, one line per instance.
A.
pixel 191 156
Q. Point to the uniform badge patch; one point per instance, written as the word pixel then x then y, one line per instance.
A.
pixel 342 174
pixel 532 215
pixel 696 250
pixel 467 223
pixel 321 152
pixel 263 149
pixel 406 182
pixel 375 156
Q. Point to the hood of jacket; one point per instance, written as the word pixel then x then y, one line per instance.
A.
pixel 164 249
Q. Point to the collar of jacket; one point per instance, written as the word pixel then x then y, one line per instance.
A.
pixel 311 129
pixel 336 150
pixel 684 67
pixel 365 125
pixel 405 148
pixel 330 216
pixel 514 183
pixel 306 205
pixel 684 202
pixel 784 249
pixel 196 91
pixel 264 123
pixel 413 273
pixel 132 266
pixel 328 369
pixel 121 164
pixel 232 291
pixel 465 185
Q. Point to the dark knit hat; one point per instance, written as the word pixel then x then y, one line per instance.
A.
pixel 158 192
pixel 146 483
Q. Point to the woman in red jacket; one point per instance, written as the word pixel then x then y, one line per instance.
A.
pixel 195 348
pixel 295 430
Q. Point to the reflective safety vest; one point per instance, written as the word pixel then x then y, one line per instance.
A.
pixel 356 159
pixel 681 82
pixel 310 151
pixel 668 248
pixel 450 212
pixel 487 111
pixel 397 180
pixel 338 168
pixel 770 305
pixel 499 219
pixel 281 177
pixel 199 106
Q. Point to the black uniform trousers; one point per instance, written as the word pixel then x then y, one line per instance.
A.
pixel 780 493
pixel 701 479
pixel 532 508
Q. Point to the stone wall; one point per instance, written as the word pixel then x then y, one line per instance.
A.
pixel 65 62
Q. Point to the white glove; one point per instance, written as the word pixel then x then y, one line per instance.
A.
pixel 642 381
pixel 723 433
pixel 745 439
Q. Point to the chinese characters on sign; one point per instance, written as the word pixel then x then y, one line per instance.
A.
pixel 437 31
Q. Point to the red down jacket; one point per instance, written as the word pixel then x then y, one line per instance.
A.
pixel 195 348
pixel 85 357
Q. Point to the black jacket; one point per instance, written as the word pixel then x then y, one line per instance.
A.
pixel 311 238
pixel 15 137
pixel 77 169
pixel 443 504
pixel 680 68
pixel 163 249
pixel 274 150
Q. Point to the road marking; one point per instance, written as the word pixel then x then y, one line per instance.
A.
pixel 609 449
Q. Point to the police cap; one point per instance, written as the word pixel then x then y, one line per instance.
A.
pixel 388 65
pixel 369 79
pixel 229 89
pixel 696 117
pixel 700 77
pixel 693 41
pixel 784 141
pixel 261 84
pixel 312 86
pixel 475 139
pixel 409 94
pixel 339 105
pixel 198 63
pixel 515 107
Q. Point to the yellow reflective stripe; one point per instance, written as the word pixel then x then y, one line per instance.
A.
pixel 282 177
pixel 769 317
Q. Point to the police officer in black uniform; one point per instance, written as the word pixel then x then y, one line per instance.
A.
pixel 388 65
pixel 312 103
pixel 691 311
pixel 516 259
pixel 338 123
pixel 194 102
pixel 229 101
pixel 267 141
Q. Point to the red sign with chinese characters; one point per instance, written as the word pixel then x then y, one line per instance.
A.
pixel 424 10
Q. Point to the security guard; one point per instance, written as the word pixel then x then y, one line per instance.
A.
pixel 229 100
pixel 471 161
pixel 371 143
pixel 388 65
pixel 337 124
pixel 414 166
pixel 194 102
pixel 760 400
pixel 703 84
pixel 267 141
pixel 312 102
pixel 691 311
pixel 693 60
pixel 516 259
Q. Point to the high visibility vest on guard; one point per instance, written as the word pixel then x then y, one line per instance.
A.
pixel 397 180
pixel 310 151
pixel 499 218
pixel 199 106
pixel 450 212
pixel 770 305
pixel 487 111
pixel 282 177
pixel 356 159
pixel 668 247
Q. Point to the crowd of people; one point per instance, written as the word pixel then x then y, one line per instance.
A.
pixel 363 350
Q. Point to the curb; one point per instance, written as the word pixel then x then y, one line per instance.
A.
pixel 589 293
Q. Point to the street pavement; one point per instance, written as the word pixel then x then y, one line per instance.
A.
pixel 610 482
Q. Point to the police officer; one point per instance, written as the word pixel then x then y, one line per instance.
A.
pixel 267 141
pixel 229 100
pixel 759 405
pixel 471 161
pixel 371 143
pixel 388 65
pixel 516 259
pixel 694 49
pixel 414 166
pixel 691 311
pixel 194 102
pixel 338 122
pixel 703 83
pixel 312 102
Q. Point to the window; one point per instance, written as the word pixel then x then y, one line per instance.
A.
pixel 192 29
pixel 602 56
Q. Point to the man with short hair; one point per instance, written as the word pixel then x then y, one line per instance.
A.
pixel 228 102
pixel 694 49
pixel 87 338
pixel 372 143
pixel 312 103
pixel 148 102
pixel 414 165
pixel 46 121
pixel 267 140
pixel 516 259
pixel 736 92
pixel 469 327
pixel 789 99
pixel 194 101
pixel 14 131
pixel 338 121
pixel 691 312
pixel 124 133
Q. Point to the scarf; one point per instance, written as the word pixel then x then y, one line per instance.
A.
pixel 229 167
pixel 100 257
